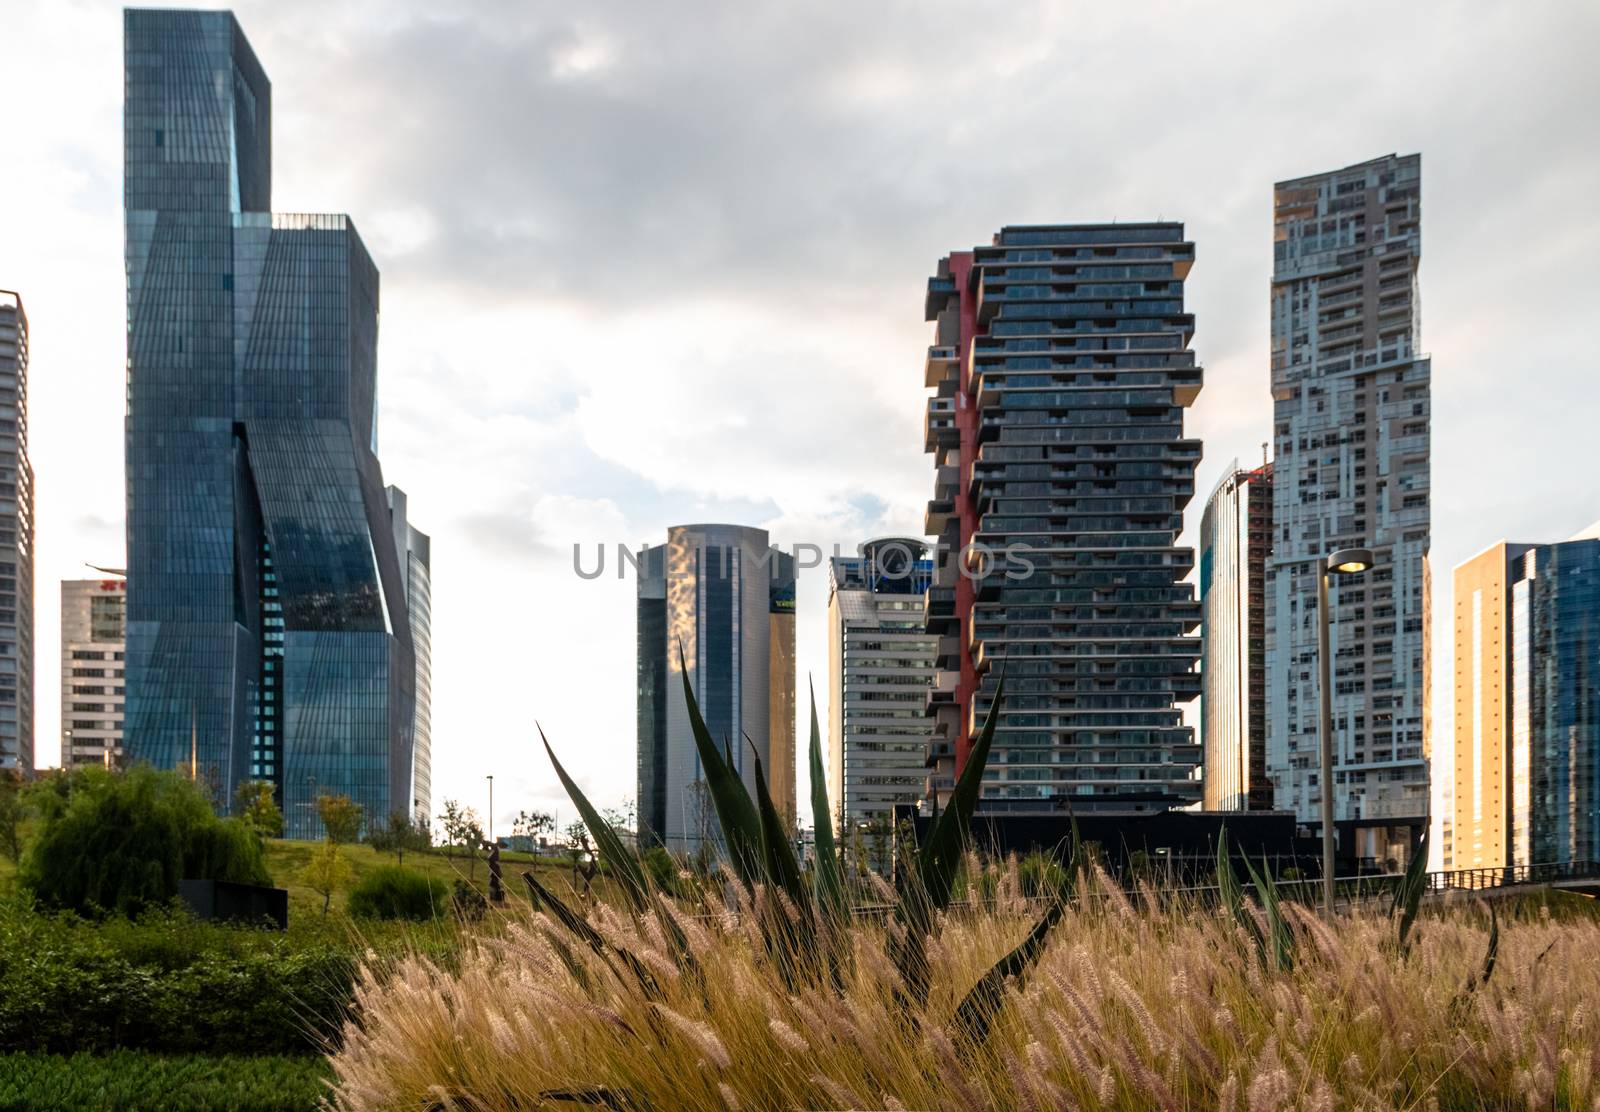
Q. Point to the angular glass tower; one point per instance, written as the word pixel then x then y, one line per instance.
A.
pixel 268 634
pixel 1061 368
pixel 1350 400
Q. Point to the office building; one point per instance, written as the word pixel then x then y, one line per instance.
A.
pixel 1235 540
pixel 880 672
pixel 1061 369
pixel 93 613
pixel 16 542
pixel 1527 704
pixel 1350 393
pixel 724 597
pixel 416 549
pixel 267 627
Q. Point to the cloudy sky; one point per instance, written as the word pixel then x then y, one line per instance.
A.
pixel 655 263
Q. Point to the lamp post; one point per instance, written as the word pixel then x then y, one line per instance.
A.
pixel 491 808
pixel 1349 562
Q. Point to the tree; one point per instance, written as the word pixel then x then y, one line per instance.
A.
pixel 327 871
pixel 121 842
pixel 532 824
pixel 461 828
pixel 254 805
pixel 584 862
pixel 400 833
pixel 341 817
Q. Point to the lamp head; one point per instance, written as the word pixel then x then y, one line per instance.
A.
pixel 1350 561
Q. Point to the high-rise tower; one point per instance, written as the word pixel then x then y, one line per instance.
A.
pixel 16 542
pixel 1351 434
pixel 1061 368
pixel 1235 540
pixel 880 670
pixel 724 597
pixel 267 628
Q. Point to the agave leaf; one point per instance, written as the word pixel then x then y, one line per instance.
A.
pixel 741 826
pixel 978 1009
pixel 622 861
pixel 592 938
pixel 828 883
pixel 940 858
pixel 1232 895
pixel 777 853
pixel 1278 933
pixel 1408 897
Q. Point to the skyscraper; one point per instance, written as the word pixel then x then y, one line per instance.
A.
pixel 16 542
pixel 416 549
pixel 1235 540
pixel 1527 704
pixel 1351 439
pixel 725 597
pixel 93 623
pixel 267 626
pixel 880 672
pixel 1061 369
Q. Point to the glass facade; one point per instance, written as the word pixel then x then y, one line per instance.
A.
pixel 16 542
pixel 1061 369
pixel 268 633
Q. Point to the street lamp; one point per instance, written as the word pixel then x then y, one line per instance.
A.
pixel 1348 562
pixel 491 808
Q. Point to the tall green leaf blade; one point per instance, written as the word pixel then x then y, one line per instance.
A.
pixel 592 938
pixel 1232 895
pixel 828 882
pixel 624 864
pixel 1408 897
pixel 1278 933
pixel 940 859
pixel 978 1009
pixel 736 815
pixel 777 854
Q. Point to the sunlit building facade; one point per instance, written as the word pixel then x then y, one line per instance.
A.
pixel 416 549
pixel 1061 369
pixel 724 597
pixel 1527 705
pixel 1351 398
pixel 1235 540
pixel 16 542
pixel 267 628
pixel 93 628
pixel 880 671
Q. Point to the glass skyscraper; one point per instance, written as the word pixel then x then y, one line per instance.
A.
pixel 268 633
pixel 1351 412
pixel 1061 369
pixel 16 542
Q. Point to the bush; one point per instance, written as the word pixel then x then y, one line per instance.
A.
pixel 469 902
pixel 122 842
pixel 393 892
pixel 133 1081
pixel 169 983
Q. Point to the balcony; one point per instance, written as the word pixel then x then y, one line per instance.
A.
pixel 940 604
pixel 940 291
pixel 940 510
pixel 939 425
pixel 948 653
pixel 942 364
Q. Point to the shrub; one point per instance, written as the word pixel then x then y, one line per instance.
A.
pixel 394 892
pixel 468 901
pixel 133 1081
pixel 121 842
